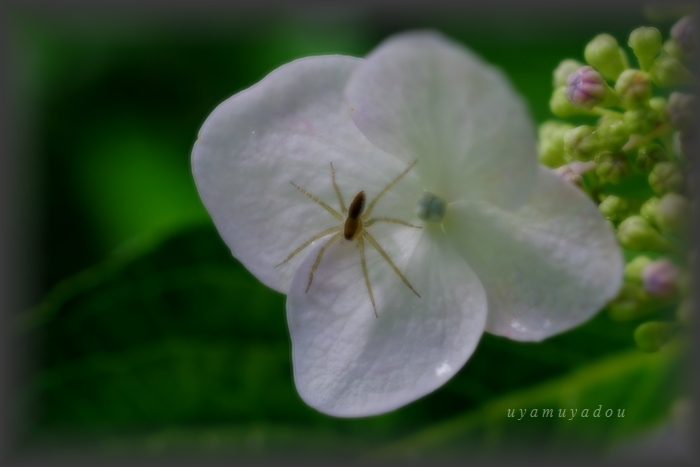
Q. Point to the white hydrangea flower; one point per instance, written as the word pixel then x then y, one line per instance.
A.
pixel 504 246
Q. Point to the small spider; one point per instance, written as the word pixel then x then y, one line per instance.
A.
pixel 353 227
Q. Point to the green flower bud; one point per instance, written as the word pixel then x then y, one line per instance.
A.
pixel 581 143
pixel 605 55
pixel 636 234
pixel 646 44
pixel 684 312
pixel 611 167
pixel 634 88
pixel 648 156
pixel 666 177
pixel 680 110
pixel 669 71
pixel 612 133
pixel 614 208
pixel 673 215
pixel 633 269
pixel 631 303
pixel 551 142
pixel 563 70
pixel 561 107
pixel 648 209
pixel 658 104
pixel 641 120
pixel 672 49
pixel 652 335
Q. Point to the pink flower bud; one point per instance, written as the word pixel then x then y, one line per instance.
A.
pixel 585 88
pixel 572 171
pixel 684 34
pixel 660 277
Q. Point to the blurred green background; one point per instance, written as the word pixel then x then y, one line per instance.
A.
pixel 150 337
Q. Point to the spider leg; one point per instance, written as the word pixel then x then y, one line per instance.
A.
pixel 389 219
pixel 335 213
pixel 318 258
pixel 337 191
pixel 386 188
pixel 388 260
pixel 309 242
pixel 361 247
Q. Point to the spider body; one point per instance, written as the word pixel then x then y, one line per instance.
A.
pixel 354 221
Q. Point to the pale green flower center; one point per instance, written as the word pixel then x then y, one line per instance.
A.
pixel 430 207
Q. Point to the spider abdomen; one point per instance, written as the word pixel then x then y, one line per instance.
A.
pixel 353 224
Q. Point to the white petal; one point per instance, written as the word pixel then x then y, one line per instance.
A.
pixel 289 128
pixel 349 363
pixel 547 267
pixel 421 96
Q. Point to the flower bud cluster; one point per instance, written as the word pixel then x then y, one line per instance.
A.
pixel 634 139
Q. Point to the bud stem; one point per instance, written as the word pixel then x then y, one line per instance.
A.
pixel 605 112
pixel 637 141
